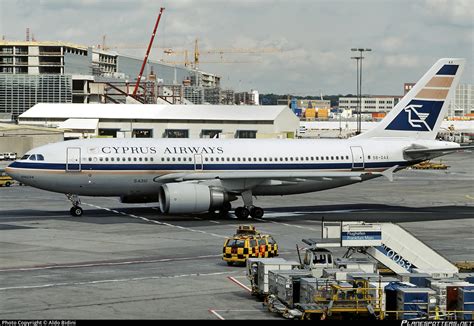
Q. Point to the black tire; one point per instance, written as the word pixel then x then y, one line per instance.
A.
pixel 229 263
pixel 7 184
pixel 227 206
pixel 242 213
pixel 76 211
pixel 256 212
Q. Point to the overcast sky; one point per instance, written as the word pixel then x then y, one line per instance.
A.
pixel 314 37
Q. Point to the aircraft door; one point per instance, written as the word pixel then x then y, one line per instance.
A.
pixel 73 159
pixel 357 158
pixel 198 165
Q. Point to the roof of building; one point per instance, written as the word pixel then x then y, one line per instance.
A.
pixel 154 112
pixel 42 43
pixel 5 127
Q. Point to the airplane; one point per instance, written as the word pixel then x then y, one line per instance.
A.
pixel 190 176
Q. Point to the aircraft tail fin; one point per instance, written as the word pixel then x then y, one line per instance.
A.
pixel 419 113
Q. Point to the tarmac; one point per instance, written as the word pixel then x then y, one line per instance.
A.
pixel 122 261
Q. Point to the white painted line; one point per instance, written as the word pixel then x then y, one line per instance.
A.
pixel 215 222
pixel 216 314
pixel 25 287
pixel 108 264
pixel 164 223
pixel 239 283
pixel 290 225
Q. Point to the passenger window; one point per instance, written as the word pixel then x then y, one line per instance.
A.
pixel 270 159
pixel 124 159
pixel 337 158
pixel 312 158
pixel 101 159
pixel 265 159
pixel 347 157
pixel 291 158
pixel 286 159
pixel 206 159
pixel 212 159
pixel 332 158
pixel 39 157
pixel 90 159
pixel 129 159
pixel 262 242
pixel 260 159
pixel 146 159
pixel 233 159
pixel 302 158
pixel 253 243
pixel 33 157
pixel 327 158
pixel 296 159
pixel 368 157
pixel 134 159
pixel 238 159
pixel 244 159
pixel 151 159
pixel 24 157
pixel 255 159
pixel 140 159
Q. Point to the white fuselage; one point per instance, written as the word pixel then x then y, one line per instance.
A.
pixel 129 167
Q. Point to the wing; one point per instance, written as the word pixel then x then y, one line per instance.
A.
pixel 250 179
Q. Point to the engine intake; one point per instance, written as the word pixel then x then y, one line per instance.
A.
pixel 189 198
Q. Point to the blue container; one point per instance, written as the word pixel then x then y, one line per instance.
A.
pixel 298 112
pixel 466 302
pixel 413 301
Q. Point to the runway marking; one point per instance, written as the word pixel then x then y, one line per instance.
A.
pixel 469 197
pixel 107 264
pixel 216 314
pixel 233 279
pixel 25 287
pixel 162 223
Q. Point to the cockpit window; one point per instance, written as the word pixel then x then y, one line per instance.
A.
pixel 25 157
pixel 39 157
pixel 33 157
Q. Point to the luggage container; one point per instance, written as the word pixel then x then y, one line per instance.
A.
pixel 466 303
pixel 311 287
pixel 285 285
pixel 413 302
pixel 258 269
pixel 419 279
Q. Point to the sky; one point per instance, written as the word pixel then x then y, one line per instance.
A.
pixel 312 38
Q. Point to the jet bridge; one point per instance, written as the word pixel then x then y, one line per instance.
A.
pixel 388 243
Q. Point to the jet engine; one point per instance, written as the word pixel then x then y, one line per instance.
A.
pixel 189 198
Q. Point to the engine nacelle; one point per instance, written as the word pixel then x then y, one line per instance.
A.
pixel 139 199
pixel 189 198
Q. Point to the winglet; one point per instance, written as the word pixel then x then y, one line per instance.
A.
pixel 389 173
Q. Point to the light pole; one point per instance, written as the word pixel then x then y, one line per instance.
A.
pixel 359 85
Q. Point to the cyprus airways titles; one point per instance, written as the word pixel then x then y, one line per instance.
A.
pixel 154 150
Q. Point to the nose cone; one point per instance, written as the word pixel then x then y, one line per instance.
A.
pixel 12 171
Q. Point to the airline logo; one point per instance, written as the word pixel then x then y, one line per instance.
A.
pixel 418 115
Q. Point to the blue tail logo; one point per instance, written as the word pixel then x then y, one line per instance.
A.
pixel 418 115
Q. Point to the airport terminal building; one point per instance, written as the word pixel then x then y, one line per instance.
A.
pixel 164 121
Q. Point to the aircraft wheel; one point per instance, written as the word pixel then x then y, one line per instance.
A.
pixel 242 213
pixel 256 212
pixel 76 211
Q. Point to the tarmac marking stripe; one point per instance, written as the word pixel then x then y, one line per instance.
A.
pixel 108 264
pixel 216 314
pixel 163 223
pixel 470 197
pixel 239 283
pixel 285 224
pixel 109 281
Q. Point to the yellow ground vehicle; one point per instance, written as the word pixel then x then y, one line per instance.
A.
pixel 6 180
pixel 248 243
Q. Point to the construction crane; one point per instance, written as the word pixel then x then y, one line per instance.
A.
pixel 198 53
pixel 147 52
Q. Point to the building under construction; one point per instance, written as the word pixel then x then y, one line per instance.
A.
pixel 58 72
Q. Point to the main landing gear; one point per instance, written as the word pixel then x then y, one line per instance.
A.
pixel 75 210
pixel 248 209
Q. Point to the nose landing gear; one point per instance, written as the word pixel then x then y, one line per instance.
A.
pixel 75 210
